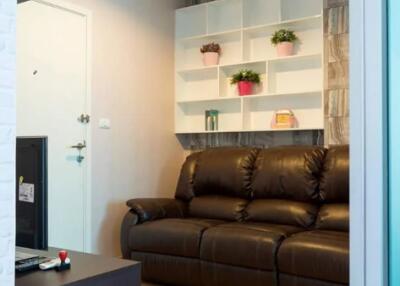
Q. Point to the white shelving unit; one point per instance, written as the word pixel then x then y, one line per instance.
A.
pixel 243 28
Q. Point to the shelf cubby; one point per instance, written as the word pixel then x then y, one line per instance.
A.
pixel 258 112
pixel 295 74
pixel 294 9
pixel 257 40
pixel 188 50
pixel 191 21
pixel 227 71
pixel 224 15
pixel 198 84
pixel 260 12
pixel 192 116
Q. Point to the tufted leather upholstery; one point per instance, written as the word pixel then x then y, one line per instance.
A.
pixel 218 207
pixel 225 171
pixel 252 245
pixel 288 173
pixel 179 237
pixel 246 216
pixel 316 254
pixel 282 212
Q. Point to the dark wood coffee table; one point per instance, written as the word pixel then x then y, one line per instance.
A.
pixel 86 269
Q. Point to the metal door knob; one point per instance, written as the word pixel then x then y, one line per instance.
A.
pixel 84 118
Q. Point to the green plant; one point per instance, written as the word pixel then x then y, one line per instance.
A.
pixel 246 75
pixel 211 48
pixel 283 35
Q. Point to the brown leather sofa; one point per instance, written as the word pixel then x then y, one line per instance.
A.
pixel 246 216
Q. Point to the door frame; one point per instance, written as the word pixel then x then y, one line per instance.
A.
pixel 394 140
pixel 368 143
pixel 87 194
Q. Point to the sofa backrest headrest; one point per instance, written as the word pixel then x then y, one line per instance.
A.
pixel 290 173
pixel 225 171
pixel 334 190
pixel 334 183
pixel 184 189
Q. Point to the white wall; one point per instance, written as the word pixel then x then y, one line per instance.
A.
pixel 133 85
pixel 7 141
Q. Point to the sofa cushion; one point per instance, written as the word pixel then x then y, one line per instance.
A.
pixel 179 237
pixel 333 217
pixel 225 171
pixel 252 245
pixel 316 254
pixel 282 212
pixel 288 173
pixel 168 269
pixel 218 207
pixel 334 186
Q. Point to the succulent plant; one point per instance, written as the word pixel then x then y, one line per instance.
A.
pixel 283 35
pixel 211 48
pixel 246 75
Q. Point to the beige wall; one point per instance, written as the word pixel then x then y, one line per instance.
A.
pixel 133 85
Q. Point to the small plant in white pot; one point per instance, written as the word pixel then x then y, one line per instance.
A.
pixel 284 41
pixel 211 53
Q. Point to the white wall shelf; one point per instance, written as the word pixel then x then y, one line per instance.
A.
pixel 249 130
pixel 243 28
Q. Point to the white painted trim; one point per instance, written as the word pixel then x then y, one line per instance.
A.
pixel 368 143
pixel 87 243
pixel 63 5
pixel 87 195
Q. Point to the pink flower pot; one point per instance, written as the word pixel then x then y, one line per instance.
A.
pixel 245 88
pixel 285 49
pixel 211 59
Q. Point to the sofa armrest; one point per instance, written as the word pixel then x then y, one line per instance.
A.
pixel 153 209
pixel 144 210
pixel 131 219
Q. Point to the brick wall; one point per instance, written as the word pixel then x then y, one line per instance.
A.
pixel 7 141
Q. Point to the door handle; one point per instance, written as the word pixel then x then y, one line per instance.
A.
pixel 79 146
pixel 84 118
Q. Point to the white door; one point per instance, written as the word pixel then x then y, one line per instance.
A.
pixel 52 93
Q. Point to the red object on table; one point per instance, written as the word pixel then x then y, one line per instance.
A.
pixel 63 254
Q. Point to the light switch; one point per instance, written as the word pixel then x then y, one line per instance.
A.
pixel 105 123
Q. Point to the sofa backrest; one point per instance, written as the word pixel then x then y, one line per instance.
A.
pixel 302 186
pixel 285 185
pixel 334 190
pixel 220 171
pixel 217 182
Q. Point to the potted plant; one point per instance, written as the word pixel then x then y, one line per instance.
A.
pixel 211 53
pixel 245 80
pixel 284 41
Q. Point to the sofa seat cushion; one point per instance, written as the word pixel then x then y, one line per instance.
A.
pixel 316 254
pixel 252 245
pixel 179 237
